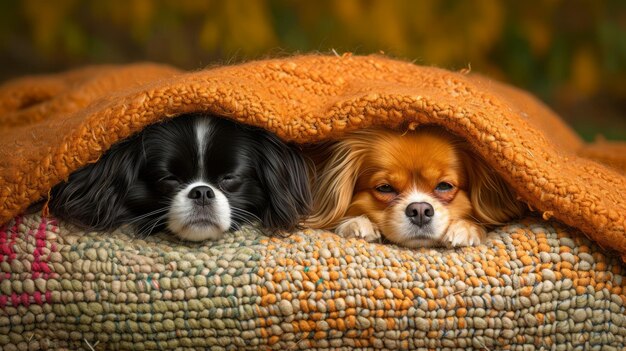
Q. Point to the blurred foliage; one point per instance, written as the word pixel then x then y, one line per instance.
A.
pixel 572 54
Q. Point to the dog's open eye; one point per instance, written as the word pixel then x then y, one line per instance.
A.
pixel 444 186
pixel 385 188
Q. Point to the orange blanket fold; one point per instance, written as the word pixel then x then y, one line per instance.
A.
pixel 52 125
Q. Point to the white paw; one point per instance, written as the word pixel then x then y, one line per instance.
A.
pixel 463 233
pixel 359 227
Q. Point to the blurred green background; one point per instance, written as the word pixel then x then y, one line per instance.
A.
pixel 571 54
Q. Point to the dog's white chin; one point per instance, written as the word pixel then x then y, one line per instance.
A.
pixel 200 232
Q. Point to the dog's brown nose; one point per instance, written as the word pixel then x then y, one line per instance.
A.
pixel 201 194
pixel 419 213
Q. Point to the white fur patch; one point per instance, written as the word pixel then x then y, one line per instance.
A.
pixel 183 213
pixel 202 128
pixel 463 233
pixel 408 234
pixel 359 227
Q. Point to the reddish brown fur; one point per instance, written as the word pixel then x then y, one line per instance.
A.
pixel 414 161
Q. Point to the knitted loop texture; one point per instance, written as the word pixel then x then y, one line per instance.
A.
pixel 531 286
pixel 554 280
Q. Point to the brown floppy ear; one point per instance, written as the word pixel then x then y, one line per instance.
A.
pixel 334 185
pixel 493 200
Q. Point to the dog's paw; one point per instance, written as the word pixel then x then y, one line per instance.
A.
pixel 359 227
pixel 464 233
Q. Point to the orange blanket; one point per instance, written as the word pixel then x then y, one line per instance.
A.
pixel 52 125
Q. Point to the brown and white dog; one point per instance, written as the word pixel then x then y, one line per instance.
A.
pixel 421 188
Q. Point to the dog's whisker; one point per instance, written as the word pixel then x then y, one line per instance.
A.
pixel 243 221
pixel 244 212
pixel 154 225
pixel 143 231
pixel 478 221
pixel 146 215
pixel 247 216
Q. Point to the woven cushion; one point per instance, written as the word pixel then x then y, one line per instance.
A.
pixel 534 284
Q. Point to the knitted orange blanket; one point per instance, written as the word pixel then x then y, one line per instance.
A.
pixel 52 125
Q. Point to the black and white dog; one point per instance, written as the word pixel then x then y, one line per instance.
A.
pixel 196 176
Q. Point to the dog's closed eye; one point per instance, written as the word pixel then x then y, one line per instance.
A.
pixel 230 183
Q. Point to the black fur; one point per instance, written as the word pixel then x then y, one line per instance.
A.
pixel 135 181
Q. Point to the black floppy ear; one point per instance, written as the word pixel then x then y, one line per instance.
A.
pixel 283 173
pixel 94 196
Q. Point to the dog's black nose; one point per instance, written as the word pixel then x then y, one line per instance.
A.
pixel 201 194
pixel 419 213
